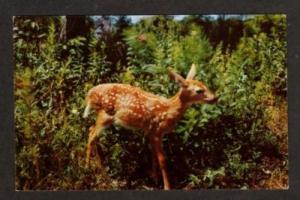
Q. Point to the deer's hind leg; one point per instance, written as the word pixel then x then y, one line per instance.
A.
pixel 103 120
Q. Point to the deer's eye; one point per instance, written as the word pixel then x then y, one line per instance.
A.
pixel 200 91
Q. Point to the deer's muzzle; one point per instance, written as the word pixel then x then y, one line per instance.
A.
pixel 211 100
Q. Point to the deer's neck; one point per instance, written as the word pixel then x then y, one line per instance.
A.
pixel 178 105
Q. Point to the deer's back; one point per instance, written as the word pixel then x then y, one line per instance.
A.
pixel 132 105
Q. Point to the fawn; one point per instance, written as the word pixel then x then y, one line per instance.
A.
pixel 131 107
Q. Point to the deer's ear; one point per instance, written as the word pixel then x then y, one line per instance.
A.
pixel 192 73
pixel 177 78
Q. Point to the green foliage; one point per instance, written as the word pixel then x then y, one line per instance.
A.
pixel 230 144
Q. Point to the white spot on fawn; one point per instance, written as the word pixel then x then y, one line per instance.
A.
pixel 125 101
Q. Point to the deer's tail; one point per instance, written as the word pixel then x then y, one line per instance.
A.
pixel 87 109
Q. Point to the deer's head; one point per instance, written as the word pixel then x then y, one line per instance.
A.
pixel 193 91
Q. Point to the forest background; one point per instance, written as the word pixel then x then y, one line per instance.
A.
pixel 240 142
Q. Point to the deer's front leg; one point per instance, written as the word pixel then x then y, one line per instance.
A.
pixel 158 148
